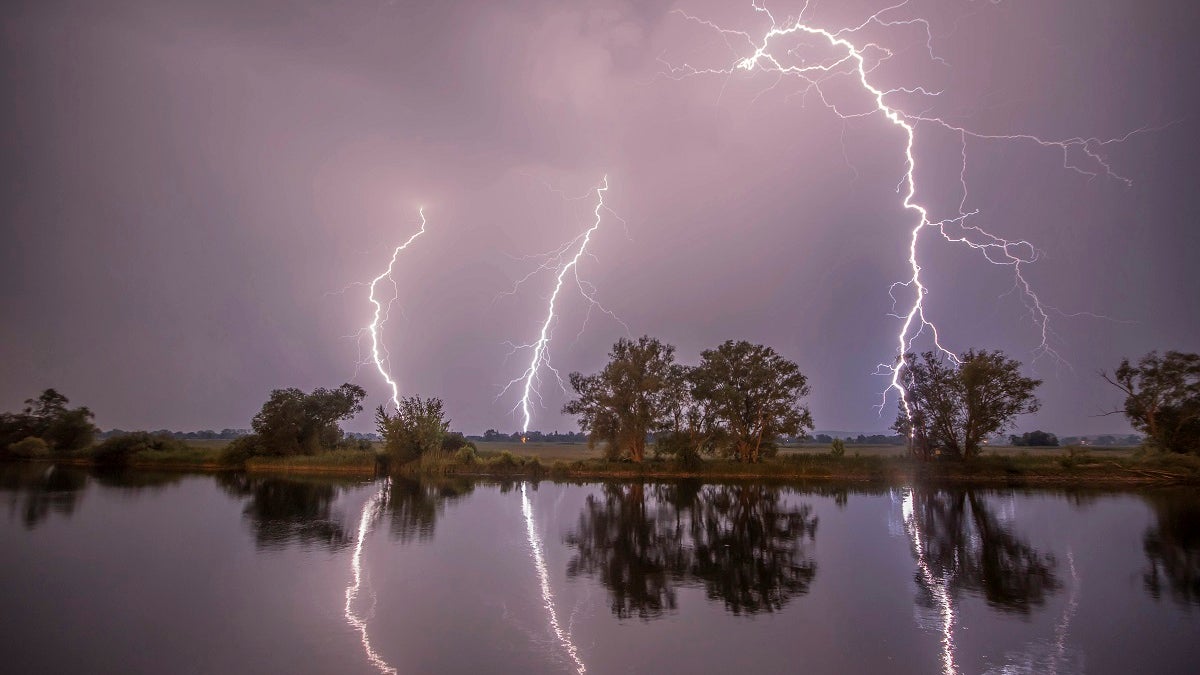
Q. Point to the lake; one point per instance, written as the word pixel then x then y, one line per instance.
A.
pixel 140 572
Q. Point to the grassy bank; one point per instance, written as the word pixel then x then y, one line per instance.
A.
pixel 875 464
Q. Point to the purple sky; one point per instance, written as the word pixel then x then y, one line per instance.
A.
pixel 186 186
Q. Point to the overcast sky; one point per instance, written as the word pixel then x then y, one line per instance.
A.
pixel 187 187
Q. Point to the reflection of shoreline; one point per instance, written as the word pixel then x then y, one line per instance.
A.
pixel 539 563
pixel 938 587
pixel 369 512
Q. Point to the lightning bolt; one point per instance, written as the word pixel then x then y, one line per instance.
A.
pixel 565 263
pixel 379 353
pixel 858 59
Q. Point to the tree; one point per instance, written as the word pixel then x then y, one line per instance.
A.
pixel 47 417
pixel 1162 398
pixel 292 422
pixel 1034 439
pixel 629 399
pixel 418 427
pixel 754 394
pixel 952 407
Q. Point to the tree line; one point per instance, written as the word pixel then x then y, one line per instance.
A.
pixel 740 402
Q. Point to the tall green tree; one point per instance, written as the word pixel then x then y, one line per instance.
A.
pixel 953 407
pixel 1162 398
pixel 754 394
pixel 292 422
pixel 629 399
pixel 418 427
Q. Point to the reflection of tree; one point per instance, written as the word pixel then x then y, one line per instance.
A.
pixel 620 538
pixel 965 544
pixel 282 511
pixel 741 542
pixel 37 491
pixel 412 506
pixel 1173 546
pixel 747 547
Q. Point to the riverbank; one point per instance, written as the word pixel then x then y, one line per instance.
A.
pixel 1065 468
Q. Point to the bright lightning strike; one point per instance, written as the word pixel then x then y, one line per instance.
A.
pixel 565 262
pixel 858 59
pixel 379 353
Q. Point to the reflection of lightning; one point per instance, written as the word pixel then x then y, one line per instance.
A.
pixel 939 587
pixel 539 562
pixel 858 60
pixel 379 353
pixel 370 510
pixel 567 264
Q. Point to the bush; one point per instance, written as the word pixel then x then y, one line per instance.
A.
pixel 837 448
pixel 466 455
pixel 120 449
pixel 30 447
pixel 240 450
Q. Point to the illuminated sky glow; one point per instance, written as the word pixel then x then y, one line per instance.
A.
pixel 185 182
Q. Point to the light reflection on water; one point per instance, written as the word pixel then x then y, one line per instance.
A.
pixel 370 512
pixel 539 563
pixel 936 584
pixel 697 576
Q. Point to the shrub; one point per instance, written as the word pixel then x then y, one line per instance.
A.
pixel 120 449
pixel 837 448
pixel 30 447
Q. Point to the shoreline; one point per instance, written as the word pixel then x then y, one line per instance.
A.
pixel 990 470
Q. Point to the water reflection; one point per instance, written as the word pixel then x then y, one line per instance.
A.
pixel 1172 546
pixel 37 491
pixel 282 511
pixel 743 543
pixel 539 565
pixel 412 506
pixel 370 512
pixel 959 544
pixel 974 551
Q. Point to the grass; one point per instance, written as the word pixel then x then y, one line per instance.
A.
pixel 884 464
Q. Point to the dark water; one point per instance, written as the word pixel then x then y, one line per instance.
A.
pixel 153 573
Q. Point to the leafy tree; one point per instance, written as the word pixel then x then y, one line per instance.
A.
pixel 418 427
pixel 629 399
pixel 292 422
pixel 1162 398
pixel 954 407
pixel 30 447
pixel 47 417
pixel 754 394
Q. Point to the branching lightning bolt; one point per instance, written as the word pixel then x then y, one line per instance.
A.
pixel 565 262
pixel 379 352
pixel 858 60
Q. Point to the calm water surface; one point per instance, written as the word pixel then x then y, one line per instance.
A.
pixel 170 573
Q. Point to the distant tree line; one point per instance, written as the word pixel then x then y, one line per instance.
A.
pixel 861 439
pixel 493 436
pixel 1034 439
pixel 205 435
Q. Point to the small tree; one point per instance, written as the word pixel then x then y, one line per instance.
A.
pixel 1162 398
pixel 418 427
pixel 754 394
pixel 628 400
pixel 953 407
